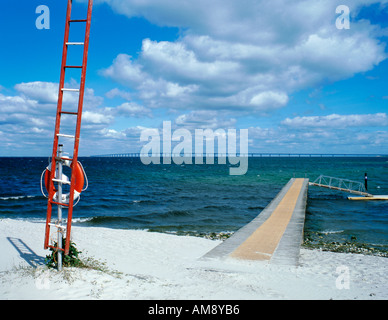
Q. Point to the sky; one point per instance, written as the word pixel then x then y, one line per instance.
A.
pixel 290 72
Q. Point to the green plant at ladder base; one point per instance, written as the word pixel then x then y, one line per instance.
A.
pixel 70 260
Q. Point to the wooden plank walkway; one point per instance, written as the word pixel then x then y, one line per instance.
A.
pixel 275 234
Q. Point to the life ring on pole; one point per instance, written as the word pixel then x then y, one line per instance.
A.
pixel 79 181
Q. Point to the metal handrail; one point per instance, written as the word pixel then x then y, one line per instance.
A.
pixel 340 184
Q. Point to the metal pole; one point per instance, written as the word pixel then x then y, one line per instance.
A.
pixel 59 193
pixel 366 181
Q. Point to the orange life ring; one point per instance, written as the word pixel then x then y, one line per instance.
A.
pixel 79 181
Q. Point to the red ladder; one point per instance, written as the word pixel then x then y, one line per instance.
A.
pixel 57 134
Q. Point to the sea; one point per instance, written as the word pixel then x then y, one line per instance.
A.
pixel 204 200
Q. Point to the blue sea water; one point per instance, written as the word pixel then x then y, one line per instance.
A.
pixel 203 199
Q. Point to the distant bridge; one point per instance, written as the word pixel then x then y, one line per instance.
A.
pixel 250 154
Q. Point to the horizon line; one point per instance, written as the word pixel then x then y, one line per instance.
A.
pixel 237 154
pixel 249 154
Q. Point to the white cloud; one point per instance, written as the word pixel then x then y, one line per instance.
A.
pixel 131 109
pixel 332 133
pixel 317 140
pixel 250 55
pixel 269 99
pixel 112 133
pixel 96 118
pixel 174 61
pixel 111 140
pixel 204 119
pixel 47 93
pixel 232 58
pixel 15 104
pixel 338 121
pixel 44 92
pixel 175 90
pixel 27 120
pixel 153 90
pixel 125 71
pixel 248 21
pixel 118 93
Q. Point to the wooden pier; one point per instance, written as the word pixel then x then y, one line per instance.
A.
pixel 276 234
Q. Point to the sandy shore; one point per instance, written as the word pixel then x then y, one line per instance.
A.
pixel 145 265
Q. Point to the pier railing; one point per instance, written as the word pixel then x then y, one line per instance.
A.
pixel 345 185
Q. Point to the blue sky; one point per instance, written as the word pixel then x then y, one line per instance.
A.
pixel 280 69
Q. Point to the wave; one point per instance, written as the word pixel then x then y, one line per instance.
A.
pixel 115 222
pixel 24 219
pixel 221 235
pixel 326 232
pixel 17 197
pixel 256 208
pixel 145 201
pixel 175 213
pixel 82 220
pixel 218 207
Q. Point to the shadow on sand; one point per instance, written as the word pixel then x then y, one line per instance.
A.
pixel 26 252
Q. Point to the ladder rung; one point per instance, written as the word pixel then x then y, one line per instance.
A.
pixel 79 67
pixel 60 203
pixel 61 181
pixel 57 225
pixel 78 20
pixel 63 158
pixel 55 248
pixel 74 43
pixel 67 89
pixel 65 135
pixel 68 112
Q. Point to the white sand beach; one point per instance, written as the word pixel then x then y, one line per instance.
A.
pixel 145 265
